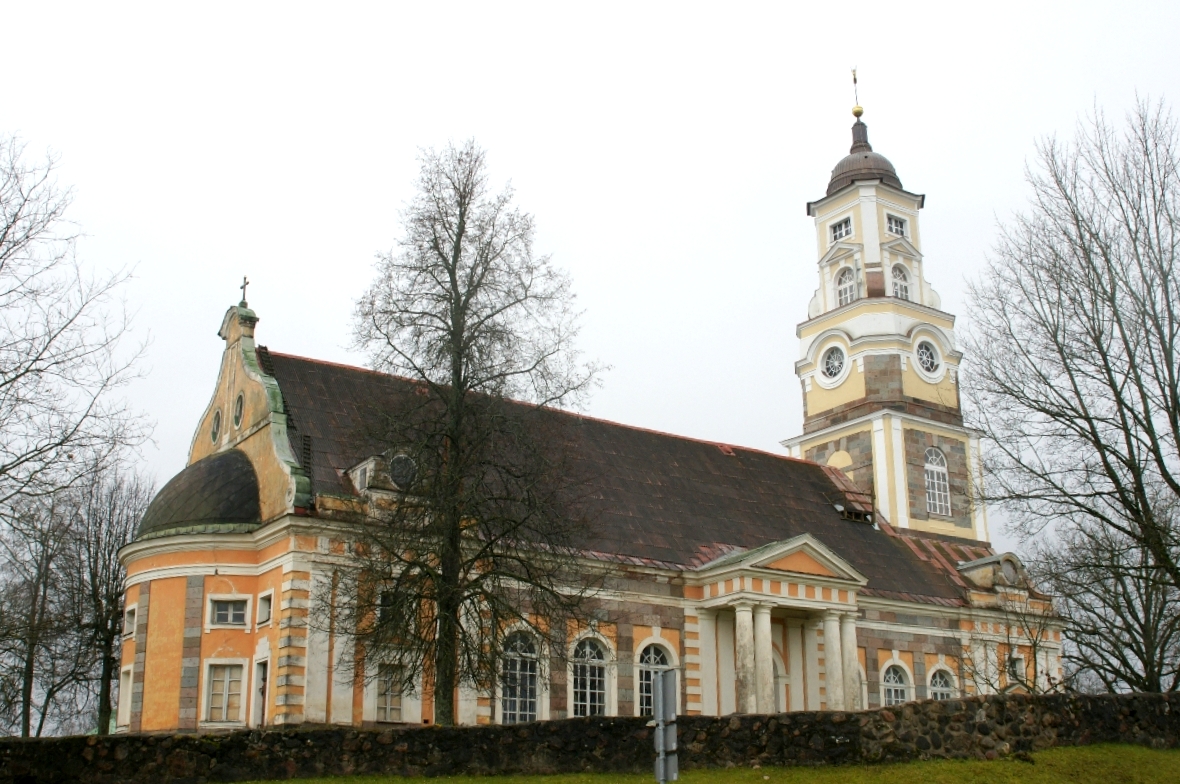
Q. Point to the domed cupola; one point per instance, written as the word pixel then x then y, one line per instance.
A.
pixel 217 494
pixel 861 162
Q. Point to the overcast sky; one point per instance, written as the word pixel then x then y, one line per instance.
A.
pixel 667 151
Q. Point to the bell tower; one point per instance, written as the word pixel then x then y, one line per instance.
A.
pixel 877 357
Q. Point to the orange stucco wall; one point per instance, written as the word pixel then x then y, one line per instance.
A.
pixel 165 637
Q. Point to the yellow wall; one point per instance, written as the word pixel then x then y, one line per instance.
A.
pixel 852 389
pixel 256 436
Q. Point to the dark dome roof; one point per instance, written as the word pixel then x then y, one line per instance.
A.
pixel 217 494
pixel 862 163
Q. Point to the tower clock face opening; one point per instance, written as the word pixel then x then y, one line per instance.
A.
pixel 833 362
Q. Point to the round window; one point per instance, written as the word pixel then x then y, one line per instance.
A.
pixel 402 471
pixel 215 430
pixel 833 362
pixel 238 405
pixel 1010 574
pixel 927 357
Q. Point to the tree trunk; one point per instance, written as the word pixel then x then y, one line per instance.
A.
pixel 104 686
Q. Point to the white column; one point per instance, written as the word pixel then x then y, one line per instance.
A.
pixel 811 656
pixel 881 473
pixel 726 666
pixel 763 661
pixel 833 661
pixel 900 475
pixel 708 637
pixel 851 662
pixel 747 697
pixel 795 663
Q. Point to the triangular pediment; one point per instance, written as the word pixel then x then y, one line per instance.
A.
pixel 802 554
pixel 840 250
pixel 903 247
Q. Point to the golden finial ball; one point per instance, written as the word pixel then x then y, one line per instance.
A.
pixel 857 112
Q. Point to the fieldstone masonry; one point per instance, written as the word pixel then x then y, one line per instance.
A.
pixel 988 728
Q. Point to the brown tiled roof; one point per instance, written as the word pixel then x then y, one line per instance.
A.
pixel 665 500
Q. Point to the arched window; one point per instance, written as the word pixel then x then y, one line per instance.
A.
pixel 901 282
pixel 896 687
pixel 938 494
pixel 941 687
pixel 589 674
pixel 519 684
pixel 845 286
pixel 652 658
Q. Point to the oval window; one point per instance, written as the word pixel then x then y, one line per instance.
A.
pixel 215 430
pixel 833 362
pixel 238 405
pixel 927 357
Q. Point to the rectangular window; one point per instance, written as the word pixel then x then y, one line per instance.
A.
pixel 895 225
pixel 589 688
pixel 938 494
pixel 842 229
pixel 129 621
pixel 225 692
pixel 519 690
pixel 385 606
pixel 123 718
pixel 1016 671
pixel 264 603
pixel 229 612
pixel 389 693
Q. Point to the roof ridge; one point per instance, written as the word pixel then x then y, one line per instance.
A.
pixel 722 445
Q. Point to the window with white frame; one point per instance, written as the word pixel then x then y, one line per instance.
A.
pixel 845 286
pixel 895 225
pixel 225 693
pixel 129 620
pixel 651 659
pixel 833 362
pixel 927 356
pixel 385 602
pixel 389 693
pixel 123 715
pixel 895 686
pixel 841 229
pixel 941 686
pixel 228 612
pixel 901 282
pixel 938 493
pixel 264 608
pixel 518 686
pixel 1016 670
pixel 589 678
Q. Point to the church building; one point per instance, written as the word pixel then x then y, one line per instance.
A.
pixel 852 572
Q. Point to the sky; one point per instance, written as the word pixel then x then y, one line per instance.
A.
pixel 667 151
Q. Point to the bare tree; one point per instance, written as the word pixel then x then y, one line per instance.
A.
pixel 1076 373
pixel 1121 613
pixel 44 654
pixel 62 350
pixel 1016 649
pixel 106 512
pixel 476 533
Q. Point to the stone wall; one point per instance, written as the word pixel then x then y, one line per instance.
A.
pixel 955 451
pixel 978 727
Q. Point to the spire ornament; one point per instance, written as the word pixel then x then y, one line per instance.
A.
pixel 857 111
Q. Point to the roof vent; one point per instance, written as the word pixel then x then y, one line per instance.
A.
pixel 726 449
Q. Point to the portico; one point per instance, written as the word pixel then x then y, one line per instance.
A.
pixel 776 631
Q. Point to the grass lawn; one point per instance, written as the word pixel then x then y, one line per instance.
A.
pixel 1097 764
